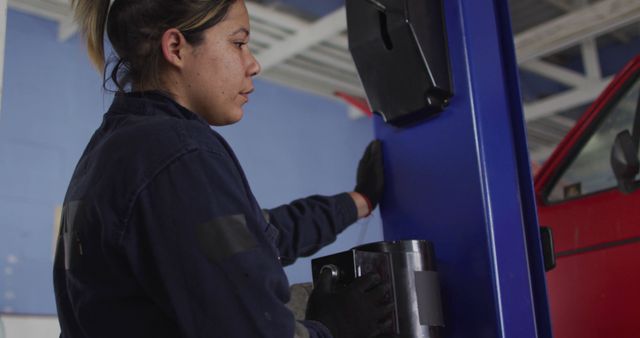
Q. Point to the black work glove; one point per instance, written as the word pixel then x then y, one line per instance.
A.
pixel 361 309
pixel 370 180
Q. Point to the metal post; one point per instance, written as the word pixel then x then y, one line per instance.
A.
pixel 462 181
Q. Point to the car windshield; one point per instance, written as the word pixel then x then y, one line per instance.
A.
pixel 590 171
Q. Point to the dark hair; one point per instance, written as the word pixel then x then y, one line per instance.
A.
pixel 135 28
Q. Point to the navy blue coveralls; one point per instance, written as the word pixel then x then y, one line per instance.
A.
pixel 162 237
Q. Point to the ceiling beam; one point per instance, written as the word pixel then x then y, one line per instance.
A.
pixel 568 6
pixel 572 28
pixel 287 22
pixel 271 15
pixel 591 59
pixel 554 72
pixel 55 11
pixel 562 121
pixel 580 27
pixel 566 100
pixel 560 4
pixel 45 9
pixel 67 28
pixel 311 35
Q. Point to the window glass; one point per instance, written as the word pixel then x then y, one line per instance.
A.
pixel 591 170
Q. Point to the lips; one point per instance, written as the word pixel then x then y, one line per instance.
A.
pixel 246 94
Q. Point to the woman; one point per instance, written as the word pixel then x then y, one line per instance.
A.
pixel 161 234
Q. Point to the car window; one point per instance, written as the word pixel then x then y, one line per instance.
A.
pixel 590 171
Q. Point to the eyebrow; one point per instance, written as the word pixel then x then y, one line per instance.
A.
pixel 241 30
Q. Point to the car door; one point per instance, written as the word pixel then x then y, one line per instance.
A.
pixel 594 291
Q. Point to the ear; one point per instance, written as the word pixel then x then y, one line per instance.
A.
pixel 174 47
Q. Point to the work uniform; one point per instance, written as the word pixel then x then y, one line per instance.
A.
pixel 162 237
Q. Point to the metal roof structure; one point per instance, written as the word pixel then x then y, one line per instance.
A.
pixel 311 53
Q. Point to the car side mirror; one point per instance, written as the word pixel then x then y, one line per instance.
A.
pixel 548 250
pixel 624 161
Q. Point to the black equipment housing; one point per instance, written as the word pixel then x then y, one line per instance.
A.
pixel 400 49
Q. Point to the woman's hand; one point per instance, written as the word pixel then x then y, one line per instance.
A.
pixel 370 179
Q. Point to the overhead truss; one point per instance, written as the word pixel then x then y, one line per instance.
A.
pixel 314 56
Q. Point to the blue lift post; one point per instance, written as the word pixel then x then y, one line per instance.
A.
pixel 462 180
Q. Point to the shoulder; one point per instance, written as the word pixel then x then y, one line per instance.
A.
pixel 156 124
pixel 158 138
pixel 134 149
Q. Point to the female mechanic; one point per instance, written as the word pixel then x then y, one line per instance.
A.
pixel 161 235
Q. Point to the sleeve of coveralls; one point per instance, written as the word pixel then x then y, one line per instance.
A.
pixel 306 225
pixel 193 249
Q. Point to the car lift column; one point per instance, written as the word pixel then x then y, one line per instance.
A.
pixel 462 181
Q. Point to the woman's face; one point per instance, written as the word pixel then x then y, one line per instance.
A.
pixel 218 72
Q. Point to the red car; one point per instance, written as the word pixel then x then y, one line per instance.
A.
pixel 587 193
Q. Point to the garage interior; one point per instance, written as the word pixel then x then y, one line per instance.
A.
pixel 567 53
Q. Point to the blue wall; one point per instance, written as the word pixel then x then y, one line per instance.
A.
pixel 290 143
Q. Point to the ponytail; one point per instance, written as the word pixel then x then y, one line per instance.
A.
pixel 91 16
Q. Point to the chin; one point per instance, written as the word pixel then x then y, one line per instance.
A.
pixel 228 119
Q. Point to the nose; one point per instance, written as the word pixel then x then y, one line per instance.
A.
pixel 254 67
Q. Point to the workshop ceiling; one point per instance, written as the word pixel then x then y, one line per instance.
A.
pixel 303 44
